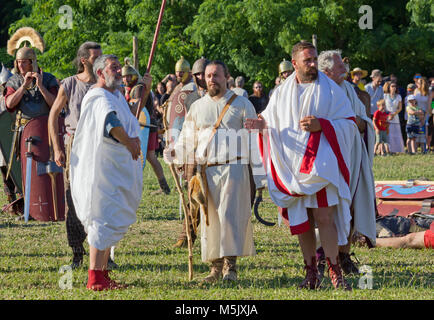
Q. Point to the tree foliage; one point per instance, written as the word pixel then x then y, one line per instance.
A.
pixel 251 36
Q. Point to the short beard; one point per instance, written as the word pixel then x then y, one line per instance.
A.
pixel 308 76
pixel 111 82
pixel 200 83
pixel 214 91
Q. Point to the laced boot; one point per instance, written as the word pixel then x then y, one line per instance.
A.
pixel 182 241
pixel 97 281
pixel 348 266
pixel 216 271
pixel 321 262
pixel 336 276
pixel 312 280
pixel 230 269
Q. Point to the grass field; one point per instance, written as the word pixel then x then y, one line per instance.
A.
pixel 31 256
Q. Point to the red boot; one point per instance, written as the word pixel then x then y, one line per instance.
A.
pixel 113 283
pixel 312 280
pixel 336 277
pixel 97 281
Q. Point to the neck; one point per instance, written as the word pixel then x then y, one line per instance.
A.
pixel 87 76
pixel 299 80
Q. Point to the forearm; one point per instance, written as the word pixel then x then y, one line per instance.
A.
pixel 48 96
pixel 120 135
pixel 14 99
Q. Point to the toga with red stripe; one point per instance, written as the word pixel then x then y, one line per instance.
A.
pixel 309 169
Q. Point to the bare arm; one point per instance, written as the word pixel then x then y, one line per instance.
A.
pixel 48 96
pixel 132 144
pixel 14 99
pixel 53 126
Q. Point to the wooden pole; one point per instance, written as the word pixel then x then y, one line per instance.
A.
pixel 187 222
pixel 146 91
pixel 135 53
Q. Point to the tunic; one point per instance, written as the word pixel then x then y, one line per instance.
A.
pixel 230 231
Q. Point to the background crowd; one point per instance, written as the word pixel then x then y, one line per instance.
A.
pixel 402 114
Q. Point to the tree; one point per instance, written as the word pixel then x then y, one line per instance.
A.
pixel 251 36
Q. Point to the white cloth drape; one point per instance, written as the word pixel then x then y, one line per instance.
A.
pixel 106 183
pixel 299 164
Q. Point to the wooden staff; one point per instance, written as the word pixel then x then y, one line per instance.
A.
pixel 145 92
pixel 187 222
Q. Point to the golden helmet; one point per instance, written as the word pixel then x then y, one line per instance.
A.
pixel 182 65
pixel 285 65
pixel 128 69
pixel 25 35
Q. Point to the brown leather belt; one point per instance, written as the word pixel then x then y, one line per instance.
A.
pixel 220 164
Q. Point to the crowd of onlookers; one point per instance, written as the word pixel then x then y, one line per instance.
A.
pixel 402 118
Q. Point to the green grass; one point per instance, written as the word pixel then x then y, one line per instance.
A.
pixel 32 254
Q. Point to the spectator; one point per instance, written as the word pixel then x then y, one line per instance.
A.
pixel 393 106
pixel 415 115
pixel 416 78
pixel 430 136
pixel 170 85
pixel 375 89
pixel 259 99
pixel 161 90
pixel 231 83
pixel 381 127
pixel 422 96
pixel 277 83
pixel 239 84
pixel 356 78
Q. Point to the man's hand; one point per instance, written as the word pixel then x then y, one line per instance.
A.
pixel 361 124
pixel 39 77
pixel 310 124
pixel 133 146
pixel 255 124
pixel 59 158
pixel 168 155
pixel 147 81
pixel 28 78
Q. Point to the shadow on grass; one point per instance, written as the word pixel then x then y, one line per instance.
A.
pixel 23 225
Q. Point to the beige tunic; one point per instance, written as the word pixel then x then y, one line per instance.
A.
pixel 230 231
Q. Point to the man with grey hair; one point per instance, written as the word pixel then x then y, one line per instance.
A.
pixel 362 153
pixel 239 84
pixel 71 93
pixel 106 173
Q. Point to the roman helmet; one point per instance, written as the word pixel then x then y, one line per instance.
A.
pixel 182 65
pixel 199 65
pixel 128 69
pixel 25 35
pixel 285 65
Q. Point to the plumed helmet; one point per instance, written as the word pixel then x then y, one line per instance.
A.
pixel 182 65
pixel 285 65
pixel 128 69
pixel 5 74
pixel 24 35
pixel 199 65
